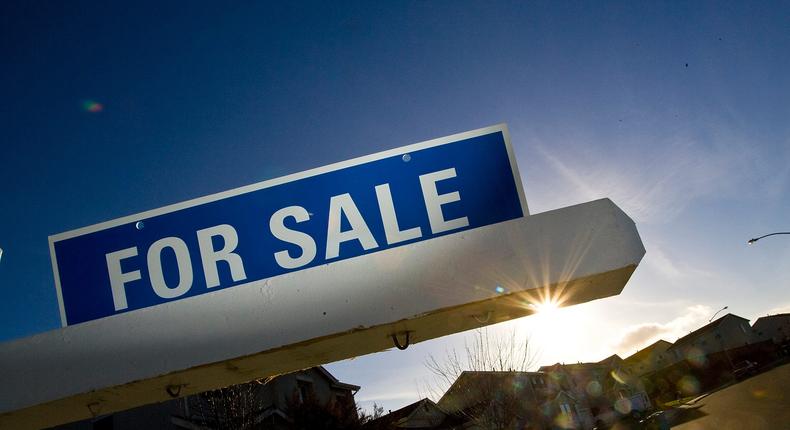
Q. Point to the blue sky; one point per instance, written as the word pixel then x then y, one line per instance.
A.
pixel 677 111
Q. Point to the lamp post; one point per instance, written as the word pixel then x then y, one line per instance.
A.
pixel 717 312
pixel 751 241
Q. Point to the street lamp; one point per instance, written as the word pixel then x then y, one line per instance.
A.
pixel 751 241
pixel 717 312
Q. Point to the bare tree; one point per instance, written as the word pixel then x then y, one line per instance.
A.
pixel 488 380
pixel 482 353
pixel 231 408
pixel 365 417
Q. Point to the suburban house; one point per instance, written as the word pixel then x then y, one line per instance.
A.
pixel 273 402
pixel 581 396
pixel 604 390
pixel 486 399
pixel 315 384
pixel 775 328
pixel 422 414
pixel 649 359
pixel 725 333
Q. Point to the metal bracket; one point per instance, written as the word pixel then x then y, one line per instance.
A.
pixel 174 390
pixel 94 408
pixel 398 344
pixel 483 321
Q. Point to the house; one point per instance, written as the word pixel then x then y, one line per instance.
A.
pixel 422 414
pixel 566 411
pixel 274 403
pixel 649 359
pixel 727 332
pixel 775 328
pixel 603 390
pixel 534 400
pixel 486 399
pixel 577 386
pixel 315 385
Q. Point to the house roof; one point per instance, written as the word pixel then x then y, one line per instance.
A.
pixel 765 319
pixel 606 362
pixel 402 413
pixel 658 346
pixel 470 382
pixel 569 366
pixel 408 409
pixel 611 360
pixel 335 382
pixel 549 367
pixel 691 337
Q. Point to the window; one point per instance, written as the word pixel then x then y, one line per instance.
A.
pixel 305 390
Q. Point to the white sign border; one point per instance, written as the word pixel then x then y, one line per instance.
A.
pixel 142 216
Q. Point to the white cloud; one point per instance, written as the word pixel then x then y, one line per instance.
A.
pixel 652 189
pixel 378 396
pixel 660 262
pixel 641 335
pixel 657 179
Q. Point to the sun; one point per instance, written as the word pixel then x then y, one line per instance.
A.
pixel 549 314
pixel 559 324
pixel 561 331
pixel 546 308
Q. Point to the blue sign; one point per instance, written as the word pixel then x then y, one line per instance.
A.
pixel 362 206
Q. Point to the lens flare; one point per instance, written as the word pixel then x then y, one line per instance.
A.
pixel 760 394
pixel 564 421
pixel 696 357
pixel 689 385
pixel 594 388
pixel 92 106
pixel 623 406
pixel 618 377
